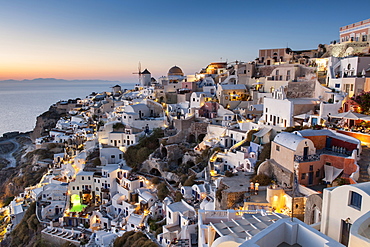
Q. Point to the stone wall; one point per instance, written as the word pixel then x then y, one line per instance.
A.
pixel 302 89
pixel 314 202
pixel 229 199
pixel 272 169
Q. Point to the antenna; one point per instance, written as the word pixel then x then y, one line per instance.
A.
pixel 295 185
pixel 139 72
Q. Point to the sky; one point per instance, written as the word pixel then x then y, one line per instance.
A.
pixel 106 39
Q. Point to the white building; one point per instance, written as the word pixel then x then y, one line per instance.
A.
pixel 230 228
pixel 287 232
pixel 279 110
pixel 342 207
pixel 348 74
pixel 180 223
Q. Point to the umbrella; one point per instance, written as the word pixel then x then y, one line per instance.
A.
pixel 367 118
pixel 349 115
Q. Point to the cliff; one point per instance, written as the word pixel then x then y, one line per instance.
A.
pixel 46 121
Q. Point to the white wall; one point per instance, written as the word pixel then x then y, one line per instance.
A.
pixel 336 208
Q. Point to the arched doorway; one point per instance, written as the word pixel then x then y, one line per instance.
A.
pixel 201 137
pixel 191 138
pixel 155 172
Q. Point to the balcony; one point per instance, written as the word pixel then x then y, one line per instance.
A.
pixel 104 190
pixel 306 158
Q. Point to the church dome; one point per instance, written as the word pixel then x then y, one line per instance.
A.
pixel 175 71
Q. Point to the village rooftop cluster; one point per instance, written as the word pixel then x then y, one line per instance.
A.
pixel 259 153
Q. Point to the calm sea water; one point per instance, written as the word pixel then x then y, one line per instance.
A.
pixel 22 101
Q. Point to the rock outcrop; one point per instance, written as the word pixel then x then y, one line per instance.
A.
pixel 46 121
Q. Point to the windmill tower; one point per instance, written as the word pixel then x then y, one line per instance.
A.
pixel 144 76
pixel 138 73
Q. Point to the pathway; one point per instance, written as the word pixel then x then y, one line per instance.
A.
pixel 7 148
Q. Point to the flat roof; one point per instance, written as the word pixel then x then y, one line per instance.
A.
pixel 247 226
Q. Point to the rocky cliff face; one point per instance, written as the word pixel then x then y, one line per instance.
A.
pixel 46 121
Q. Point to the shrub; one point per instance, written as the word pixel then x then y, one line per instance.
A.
pixel 178 196
pixel 229 173
pixel 262 179
pixel 162 191
pixel 133 239
pixel 154 180
pixel 190 181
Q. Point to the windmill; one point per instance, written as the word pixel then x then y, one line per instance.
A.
pixel 139 73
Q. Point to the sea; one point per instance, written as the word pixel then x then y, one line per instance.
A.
pixel 22 101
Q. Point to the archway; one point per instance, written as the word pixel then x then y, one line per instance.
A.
pixel 155 172
pixel 191 138
pixel 201 137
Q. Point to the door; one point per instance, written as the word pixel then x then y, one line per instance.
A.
pixel 346 227
pixel 305 153
pixel 310 178
pixel 328 143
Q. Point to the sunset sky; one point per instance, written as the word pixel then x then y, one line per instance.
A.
pixel 89 39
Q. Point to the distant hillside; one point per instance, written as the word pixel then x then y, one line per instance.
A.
pixel 58 80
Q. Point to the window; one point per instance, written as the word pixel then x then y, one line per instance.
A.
pixel 113 156
pixel 355 200
pixel 311 168
pixel 169 215
pixel 88 178
pixel 277 148
pixel 277 72
pixel 318 173
pixel 82 178
pixel 337 85
pixel 303 176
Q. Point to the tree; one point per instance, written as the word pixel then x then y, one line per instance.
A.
pixel 162 191
pixel 363 100
pixel 178 196
pixel 155 180
pixel 190 181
